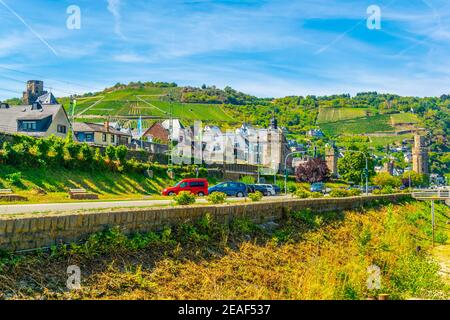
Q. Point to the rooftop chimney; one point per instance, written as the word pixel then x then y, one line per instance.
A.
pixel 107 126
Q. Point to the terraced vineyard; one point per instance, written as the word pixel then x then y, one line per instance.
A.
pixel 327 115
pixel 404 118
pixel 356 121
pixel 145 102
pixel 373 124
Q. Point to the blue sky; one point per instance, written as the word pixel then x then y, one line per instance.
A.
pixel 266 48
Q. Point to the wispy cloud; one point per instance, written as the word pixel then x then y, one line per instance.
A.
pixel 114 9
pixel 129 58
pixel 29 27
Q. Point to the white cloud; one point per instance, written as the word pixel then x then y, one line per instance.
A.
pixel 114 9
pixel 129 58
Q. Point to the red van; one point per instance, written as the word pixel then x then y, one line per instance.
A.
pixel 199 187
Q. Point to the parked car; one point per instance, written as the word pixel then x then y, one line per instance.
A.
pixel 198 187
pixel 318 187
pixel 251 188
pixel 277 189
pixel 265 189
pixel 231 189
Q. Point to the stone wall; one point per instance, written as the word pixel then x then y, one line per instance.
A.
pixel 23 233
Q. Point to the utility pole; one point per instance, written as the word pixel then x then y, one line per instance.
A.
pixel 257 157
pixel 432 220
pixel 73 104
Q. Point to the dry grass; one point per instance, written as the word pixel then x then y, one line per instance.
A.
pixel 306 257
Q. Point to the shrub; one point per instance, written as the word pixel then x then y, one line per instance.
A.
pixel 302 194
pixel 110 153
pixel 385 190
pixel 14 178
pixel 292 187
pixel 73 149
pixel 340 193
pixel 316 195
pixel 121 153
pixel 255 197
pixel 217 197
pixel 354 192
pixel 86 154
pixel 184 198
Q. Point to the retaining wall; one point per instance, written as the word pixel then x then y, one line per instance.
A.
pixel 23 233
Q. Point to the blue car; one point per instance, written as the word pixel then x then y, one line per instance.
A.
pixel 231 189
pixel 318 187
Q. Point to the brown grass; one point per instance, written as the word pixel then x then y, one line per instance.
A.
pixel 326 260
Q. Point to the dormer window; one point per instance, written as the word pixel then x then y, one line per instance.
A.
pixel 29 125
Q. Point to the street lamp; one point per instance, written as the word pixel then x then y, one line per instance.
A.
pixel 285 167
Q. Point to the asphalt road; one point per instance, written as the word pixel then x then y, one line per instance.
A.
pixel 75 206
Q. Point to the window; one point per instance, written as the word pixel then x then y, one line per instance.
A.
pixel 184 185
pixel 113 138
pixel 197 184
pixel 89 137
pixel 104 137
pixel 61 129
pixel 29 125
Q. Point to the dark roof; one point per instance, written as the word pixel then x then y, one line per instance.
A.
pixel 9 116
pixel 96 127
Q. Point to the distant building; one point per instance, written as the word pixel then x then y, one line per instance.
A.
pixel 100 134
pixel 315 133
pixel 36 120
pixel 35 89
pixel 47 98
pixel 408 157
pixel 331 157
pixel 420 155
pixel 157 132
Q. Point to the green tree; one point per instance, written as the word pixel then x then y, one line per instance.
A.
pixel 352 166
pixel 384 179
pixel 417 179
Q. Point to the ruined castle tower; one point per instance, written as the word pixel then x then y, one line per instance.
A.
pixel 331 156
pixel 420 155
pixel 35 89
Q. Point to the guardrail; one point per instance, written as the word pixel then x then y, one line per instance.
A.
pixel 432 194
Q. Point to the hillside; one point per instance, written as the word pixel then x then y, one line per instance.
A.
pixel 146 101
pixel 385 118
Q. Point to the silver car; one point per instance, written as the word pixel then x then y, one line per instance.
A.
pixel 266 189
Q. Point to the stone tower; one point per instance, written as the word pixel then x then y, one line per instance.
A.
pixel 331 157
pixel 389 167
pixel 35 89
pixel 420 155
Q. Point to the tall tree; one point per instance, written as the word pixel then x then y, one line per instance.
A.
pixel 313 170
pixel 352 166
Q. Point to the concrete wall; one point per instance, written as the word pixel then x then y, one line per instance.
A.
pixel 45 230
